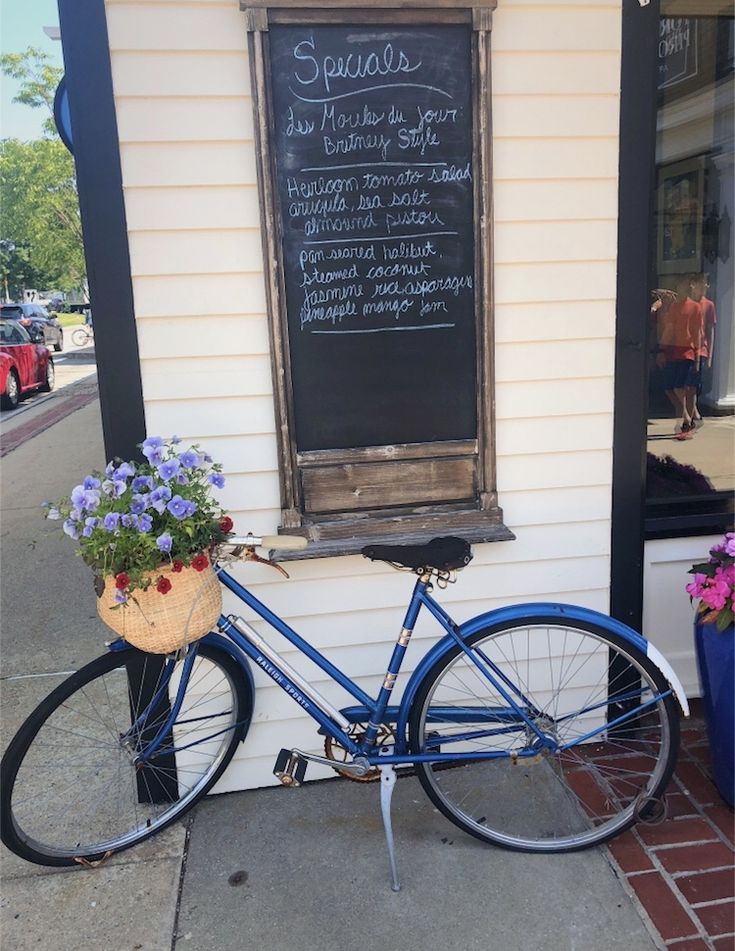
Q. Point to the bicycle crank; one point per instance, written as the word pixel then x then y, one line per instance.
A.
pixel 339 755
pixel 291 766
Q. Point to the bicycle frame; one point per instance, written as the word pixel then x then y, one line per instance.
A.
pixel 518 715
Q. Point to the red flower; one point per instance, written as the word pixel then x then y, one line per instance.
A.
pixel 122 581
pixel 163 586
pixel 200 562
pixel 177 565
pixel 226 524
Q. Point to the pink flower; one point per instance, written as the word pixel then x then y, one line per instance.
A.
pixel 715 593
pixel 694 588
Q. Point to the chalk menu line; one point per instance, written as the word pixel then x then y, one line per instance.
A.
pixel 337 168
pixel 385 237
pixel 380 330
pixel 358 92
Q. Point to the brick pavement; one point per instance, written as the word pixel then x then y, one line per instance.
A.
pixel 682 872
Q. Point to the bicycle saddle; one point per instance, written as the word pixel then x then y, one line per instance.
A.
pixel 447 553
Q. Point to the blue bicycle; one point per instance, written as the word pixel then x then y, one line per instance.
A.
pixel 537 727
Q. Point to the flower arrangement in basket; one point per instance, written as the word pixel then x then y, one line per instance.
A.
pixel 149 532
pixel 714 584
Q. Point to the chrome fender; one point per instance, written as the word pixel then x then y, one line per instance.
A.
pixel 509 615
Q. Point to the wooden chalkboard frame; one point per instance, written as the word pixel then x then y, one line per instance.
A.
pixel 416 490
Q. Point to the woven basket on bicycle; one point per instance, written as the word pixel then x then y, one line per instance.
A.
pixel 162 623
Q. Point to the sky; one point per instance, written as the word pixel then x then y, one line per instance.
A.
pixel 21 26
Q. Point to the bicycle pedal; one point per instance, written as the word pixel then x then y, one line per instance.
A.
pixel 290 768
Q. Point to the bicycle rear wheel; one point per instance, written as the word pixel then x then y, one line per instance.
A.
pixel 70 790
pixel 574 680
pixel 81 337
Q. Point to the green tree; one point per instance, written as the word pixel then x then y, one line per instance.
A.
pixel 38 81
pixel 40 226
pixel 40 215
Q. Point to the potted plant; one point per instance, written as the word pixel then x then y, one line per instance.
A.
pixel 149 530
pixel 714 633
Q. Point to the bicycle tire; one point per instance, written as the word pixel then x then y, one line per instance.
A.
pixel 558 801
pixel 68 818
pixel 80 337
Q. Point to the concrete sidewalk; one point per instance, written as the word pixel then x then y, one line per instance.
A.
pixel 269 869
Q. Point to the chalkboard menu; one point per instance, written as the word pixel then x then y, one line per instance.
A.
pixel 372 145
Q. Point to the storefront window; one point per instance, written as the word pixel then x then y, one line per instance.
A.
pixel 691 426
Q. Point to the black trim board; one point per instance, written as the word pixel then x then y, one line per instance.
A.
pixel 635 200
pixel 99 182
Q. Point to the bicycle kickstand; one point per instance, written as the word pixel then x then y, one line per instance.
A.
pixel 387 782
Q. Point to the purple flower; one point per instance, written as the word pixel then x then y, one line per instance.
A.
pixel 85 498
pixel 178 507
pixel 89 526
pixel 145 523
pixel 75 514
pixel 164 542
pixel 182 478
pixel 70 528
pixel 121 597
pixel 730 544
pixel 167 470
pixel 129 521
pixel 217 479
pixel 152 449
pixel 110 468
pixel 123 471
pixel 190 459
pixel 207 457
pixel 191 507
pixel 142 482
pixel 90 482
pixel 114 488
pixel 159 497
pixel 138 504
pixel 175 440
pixel 53 513
pixel 111 521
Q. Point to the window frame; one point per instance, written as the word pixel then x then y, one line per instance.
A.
pixel 311 481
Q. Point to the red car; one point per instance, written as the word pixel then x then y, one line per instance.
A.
pixel 24 365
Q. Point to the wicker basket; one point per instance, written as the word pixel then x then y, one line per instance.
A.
pixel 163 623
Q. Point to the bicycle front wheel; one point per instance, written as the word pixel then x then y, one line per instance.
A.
pixel 71 792
pixel 81 337
pixel 598 753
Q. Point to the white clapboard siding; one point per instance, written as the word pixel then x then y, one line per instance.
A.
pixel 144 119
pixel 197 295
pixel 172 337
pixel 524 241
pixel 559 117
pixel 556 73
pixel 182 87
pixel 209 252
pixel 553 320
pixel 193 207
pixel 184 75
pixel 207 377
pixel 549 158
pixel 556 199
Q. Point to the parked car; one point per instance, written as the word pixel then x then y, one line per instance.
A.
pixel 24 365
pixel 42 326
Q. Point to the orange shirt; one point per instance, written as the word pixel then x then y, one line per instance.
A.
pixel 709 319
pixel 680 329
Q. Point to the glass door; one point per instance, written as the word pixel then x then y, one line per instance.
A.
pixel 691 347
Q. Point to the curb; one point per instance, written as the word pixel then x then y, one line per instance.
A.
pixel 67 405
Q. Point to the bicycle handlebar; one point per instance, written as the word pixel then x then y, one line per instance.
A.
pixel 282 542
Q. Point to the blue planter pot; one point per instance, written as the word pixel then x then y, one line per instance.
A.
pixel 716 661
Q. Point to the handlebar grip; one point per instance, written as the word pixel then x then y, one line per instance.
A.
pixel 284 542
